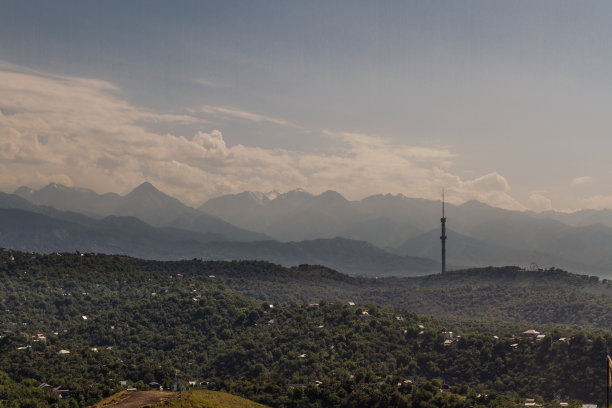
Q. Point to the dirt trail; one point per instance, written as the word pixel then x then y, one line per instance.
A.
pixel 140 399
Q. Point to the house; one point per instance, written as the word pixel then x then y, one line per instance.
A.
pixel 62 393
pixel 63 352
pixel 530 334
pixel 46 387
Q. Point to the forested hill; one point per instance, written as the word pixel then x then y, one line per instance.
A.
pixel 84 323
pixel 476 277
pixel 512 276
pixel 508 294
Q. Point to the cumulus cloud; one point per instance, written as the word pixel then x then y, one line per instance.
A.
pixel 492 188
pixel 539 201
pixel 81 132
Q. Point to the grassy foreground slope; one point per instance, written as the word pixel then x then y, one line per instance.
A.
pixel 136 399
pixel 185 399
pixel 210 399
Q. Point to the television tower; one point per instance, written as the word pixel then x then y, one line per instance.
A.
pixel 443 236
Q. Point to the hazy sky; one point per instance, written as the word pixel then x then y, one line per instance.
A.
pixel 507 102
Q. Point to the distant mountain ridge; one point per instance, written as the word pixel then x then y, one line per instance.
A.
pixel 144 202
pixel 479 235
pixel 466 251
pixel 75 199
pixel 410 226
pixel 298 215
pixel 28 231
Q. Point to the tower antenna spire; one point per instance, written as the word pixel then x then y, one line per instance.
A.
pixel 443 235
pixel 442 203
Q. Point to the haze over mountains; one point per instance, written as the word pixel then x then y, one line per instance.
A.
pixel 378 235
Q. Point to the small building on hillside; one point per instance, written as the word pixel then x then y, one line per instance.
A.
pixel 449 342
pixel 62 393
pixel 530 334
pixel 156 386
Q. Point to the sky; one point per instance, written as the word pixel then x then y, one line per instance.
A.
pixel 508 103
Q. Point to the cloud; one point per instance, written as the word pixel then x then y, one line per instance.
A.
pixel 81 132
pixel 598 202
pixel 232 112
pixel 491 188
pixel 540 202
pixel 581 180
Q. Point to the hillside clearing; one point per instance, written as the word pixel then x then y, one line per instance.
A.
pixel 137 399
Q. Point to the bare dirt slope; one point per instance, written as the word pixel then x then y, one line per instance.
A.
pixel 137 399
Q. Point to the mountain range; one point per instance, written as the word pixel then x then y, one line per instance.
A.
pixel 144 202
pixel 376 236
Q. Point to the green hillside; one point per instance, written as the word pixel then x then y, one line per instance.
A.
pixel 86 322
pixel 508 294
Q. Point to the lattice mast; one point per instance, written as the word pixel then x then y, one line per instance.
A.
pixel 443 236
